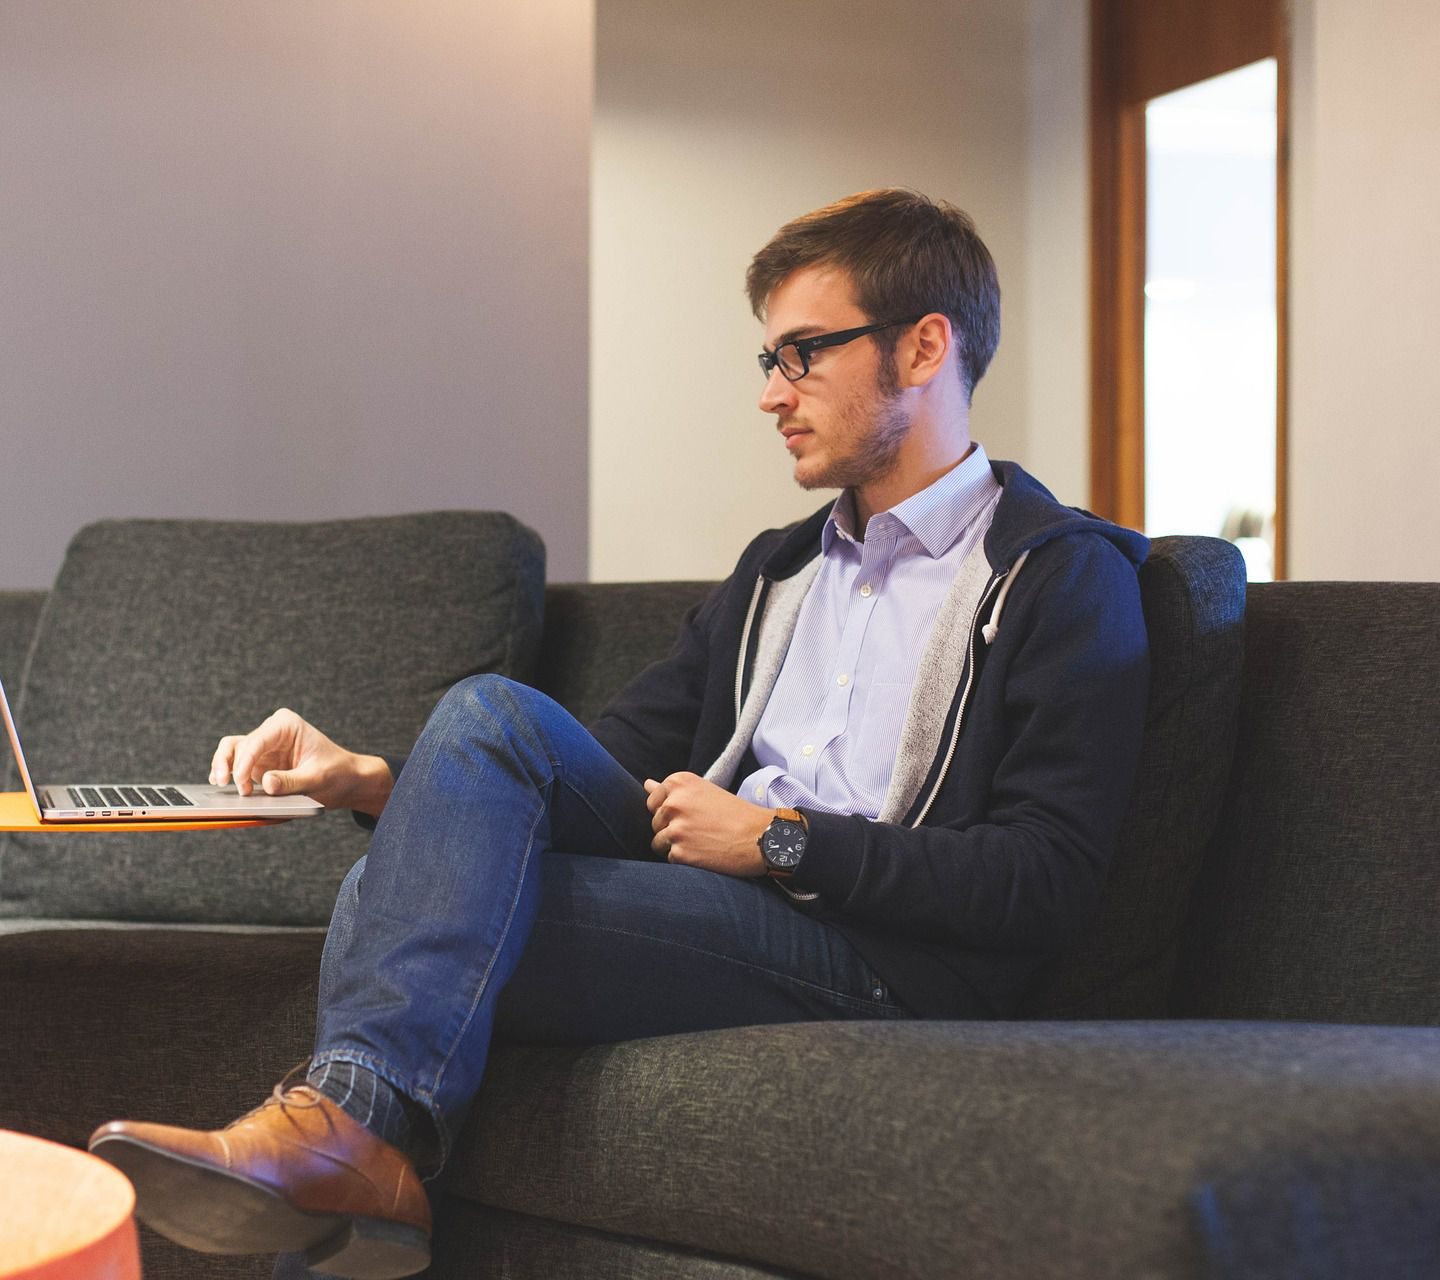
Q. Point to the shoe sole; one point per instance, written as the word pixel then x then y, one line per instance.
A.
pixel 213 1211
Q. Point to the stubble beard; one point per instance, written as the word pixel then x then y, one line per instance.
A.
pixel 868 438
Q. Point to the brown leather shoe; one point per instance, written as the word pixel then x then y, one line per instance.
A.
pixel 296 1173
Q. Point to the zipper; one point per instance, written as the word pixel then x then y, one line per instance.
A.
pixel 964 699
pixel 740 698
pixel 745 645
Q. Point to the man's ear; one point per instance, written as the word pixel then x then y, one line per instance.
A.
pixel 929 345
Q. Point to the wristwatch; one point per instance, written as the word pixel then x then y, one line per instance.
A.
pixel 782 843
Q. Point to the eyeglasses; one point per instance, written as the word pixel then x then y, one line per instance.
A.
pixel 793 358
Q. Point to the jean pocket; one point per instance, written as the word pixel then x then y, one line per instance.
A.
pixel 882 1000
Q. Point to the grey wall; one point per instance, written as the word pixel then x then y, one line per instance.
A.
pixel 274 259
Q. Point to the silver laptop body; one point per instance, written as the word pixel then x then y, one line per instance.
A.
pixel 146 802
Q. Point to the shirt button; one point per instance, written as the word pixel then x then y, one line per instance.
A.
pixel 866 591
pixel 759 793
pixel 842 681
pixel 807 749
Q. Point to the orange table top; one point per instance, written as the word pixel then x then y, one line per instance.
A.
pixel 18 814
pixel 64 1214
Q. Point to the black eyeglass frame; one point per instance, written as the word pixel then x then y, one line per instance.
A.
pixel 805 347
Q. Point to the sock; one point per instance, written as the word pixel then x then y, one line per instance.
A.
pixel 367 1099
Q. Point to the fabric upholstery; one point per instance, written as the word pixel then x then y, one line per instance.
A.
pixel 173 1023
pixel 1321 897
pixel 19 611
pixel 1015 1151
pixel 599 635
pixel 487 1242
pixel 1193 593
pixel 159 636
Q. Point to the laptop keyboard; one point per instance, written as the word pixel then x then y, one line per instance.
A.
pixel 126 797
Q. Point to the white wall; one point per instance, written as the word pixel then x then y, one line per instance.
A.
pixel 1057 250
pixel 267 259
pixel 714 124
pixel 270 259
pixel 1365 279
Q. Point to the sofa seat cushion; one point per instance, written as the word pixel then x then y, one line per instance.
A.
pixel 877 1151
pixel 159 636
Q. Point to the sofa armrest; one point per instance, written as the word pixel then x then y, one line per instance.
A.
pixel 1017 1150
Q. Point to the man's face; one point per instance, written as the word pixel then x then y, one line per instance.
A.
pixel 844 421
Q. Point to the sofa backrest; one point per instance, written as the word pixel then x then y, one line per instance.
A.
pixel 1320 900
pixel 1193 593
pixel 598 635
pixel 19 612
pixel 159 635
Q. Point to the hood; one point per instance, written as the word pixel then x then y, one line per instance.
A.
pixel 1028 515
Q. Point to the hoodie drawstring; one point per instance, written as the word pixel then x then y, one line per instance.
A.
pixel 992 628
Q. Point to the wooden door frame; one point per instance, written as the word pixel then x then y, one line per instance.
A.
pixel 1138 50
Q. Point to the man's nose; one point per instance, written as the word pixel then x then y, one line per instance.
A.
pixel 778 394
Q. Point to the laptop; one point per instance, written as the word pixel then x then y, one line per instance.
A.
pixel 102 802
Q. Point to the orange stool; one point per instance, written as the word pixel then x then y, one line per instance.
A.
pixel 64 1215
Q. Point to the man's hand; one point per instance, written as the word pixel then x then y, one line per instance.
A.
pixel 702 825
pixel 286 756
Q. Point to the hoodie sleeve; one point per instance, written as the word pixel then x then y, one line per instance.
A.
pixel 1014 851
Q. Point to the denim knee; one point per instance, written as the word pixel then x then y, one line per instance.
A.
pixel 486 704
pixel 483 697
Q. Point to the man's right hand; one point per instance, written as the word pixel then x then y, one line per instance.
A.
pixel 287 755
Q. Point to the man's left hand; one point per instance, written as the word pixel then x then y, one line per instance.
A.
pixel 701 825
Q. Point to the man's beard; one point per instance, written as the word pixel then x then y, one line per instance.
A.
pixel 874 449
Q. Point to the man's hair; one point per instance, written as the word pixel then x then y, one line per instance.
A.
pixel 907 255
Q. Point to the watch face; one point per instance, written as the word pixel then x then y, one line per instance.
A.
pixel 784 843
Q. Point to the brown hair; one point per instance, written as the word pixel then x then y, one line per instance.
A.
pixel 907 254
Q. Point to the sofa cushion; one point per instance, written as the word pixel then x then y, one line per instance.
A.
pixel 161 635
pixel 19 611
pixel 599 635
pixel 1193 593
pixel 874 1151
pixel 1319 899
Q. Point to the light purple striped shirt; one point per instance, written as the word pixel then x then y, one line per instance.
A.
pixel 828 736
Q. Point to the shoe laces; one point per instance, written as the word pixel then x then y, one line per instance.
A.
pixel 285 1094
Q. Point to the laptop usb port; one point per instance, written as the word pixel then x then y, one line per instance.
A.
pixel 125 813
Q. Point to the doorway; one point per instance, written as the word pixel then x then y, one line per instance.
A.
pixel 1188 118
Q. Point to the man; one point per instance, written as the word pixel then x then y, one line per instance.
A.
pixel 879 776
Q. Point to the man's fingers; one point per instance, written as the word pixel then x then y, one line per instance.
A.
pixel 282 782
pixel 220 762
pixel 245 764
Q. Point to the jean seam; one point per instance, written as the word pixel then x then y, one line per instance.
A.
pixel 859 1002
pixel 484 982
pixel 559 774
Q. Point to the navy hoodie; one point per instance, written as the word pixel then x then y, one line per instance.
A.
pixel 1000 861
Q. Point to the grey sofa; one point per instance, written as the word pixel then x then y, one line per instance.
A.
pixel 1235 1073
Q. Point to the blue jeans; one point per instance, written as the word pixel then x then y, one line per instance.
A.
pixel 466 920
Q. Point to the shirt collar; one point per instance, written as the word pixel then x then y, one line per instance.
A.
pixel 936 516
